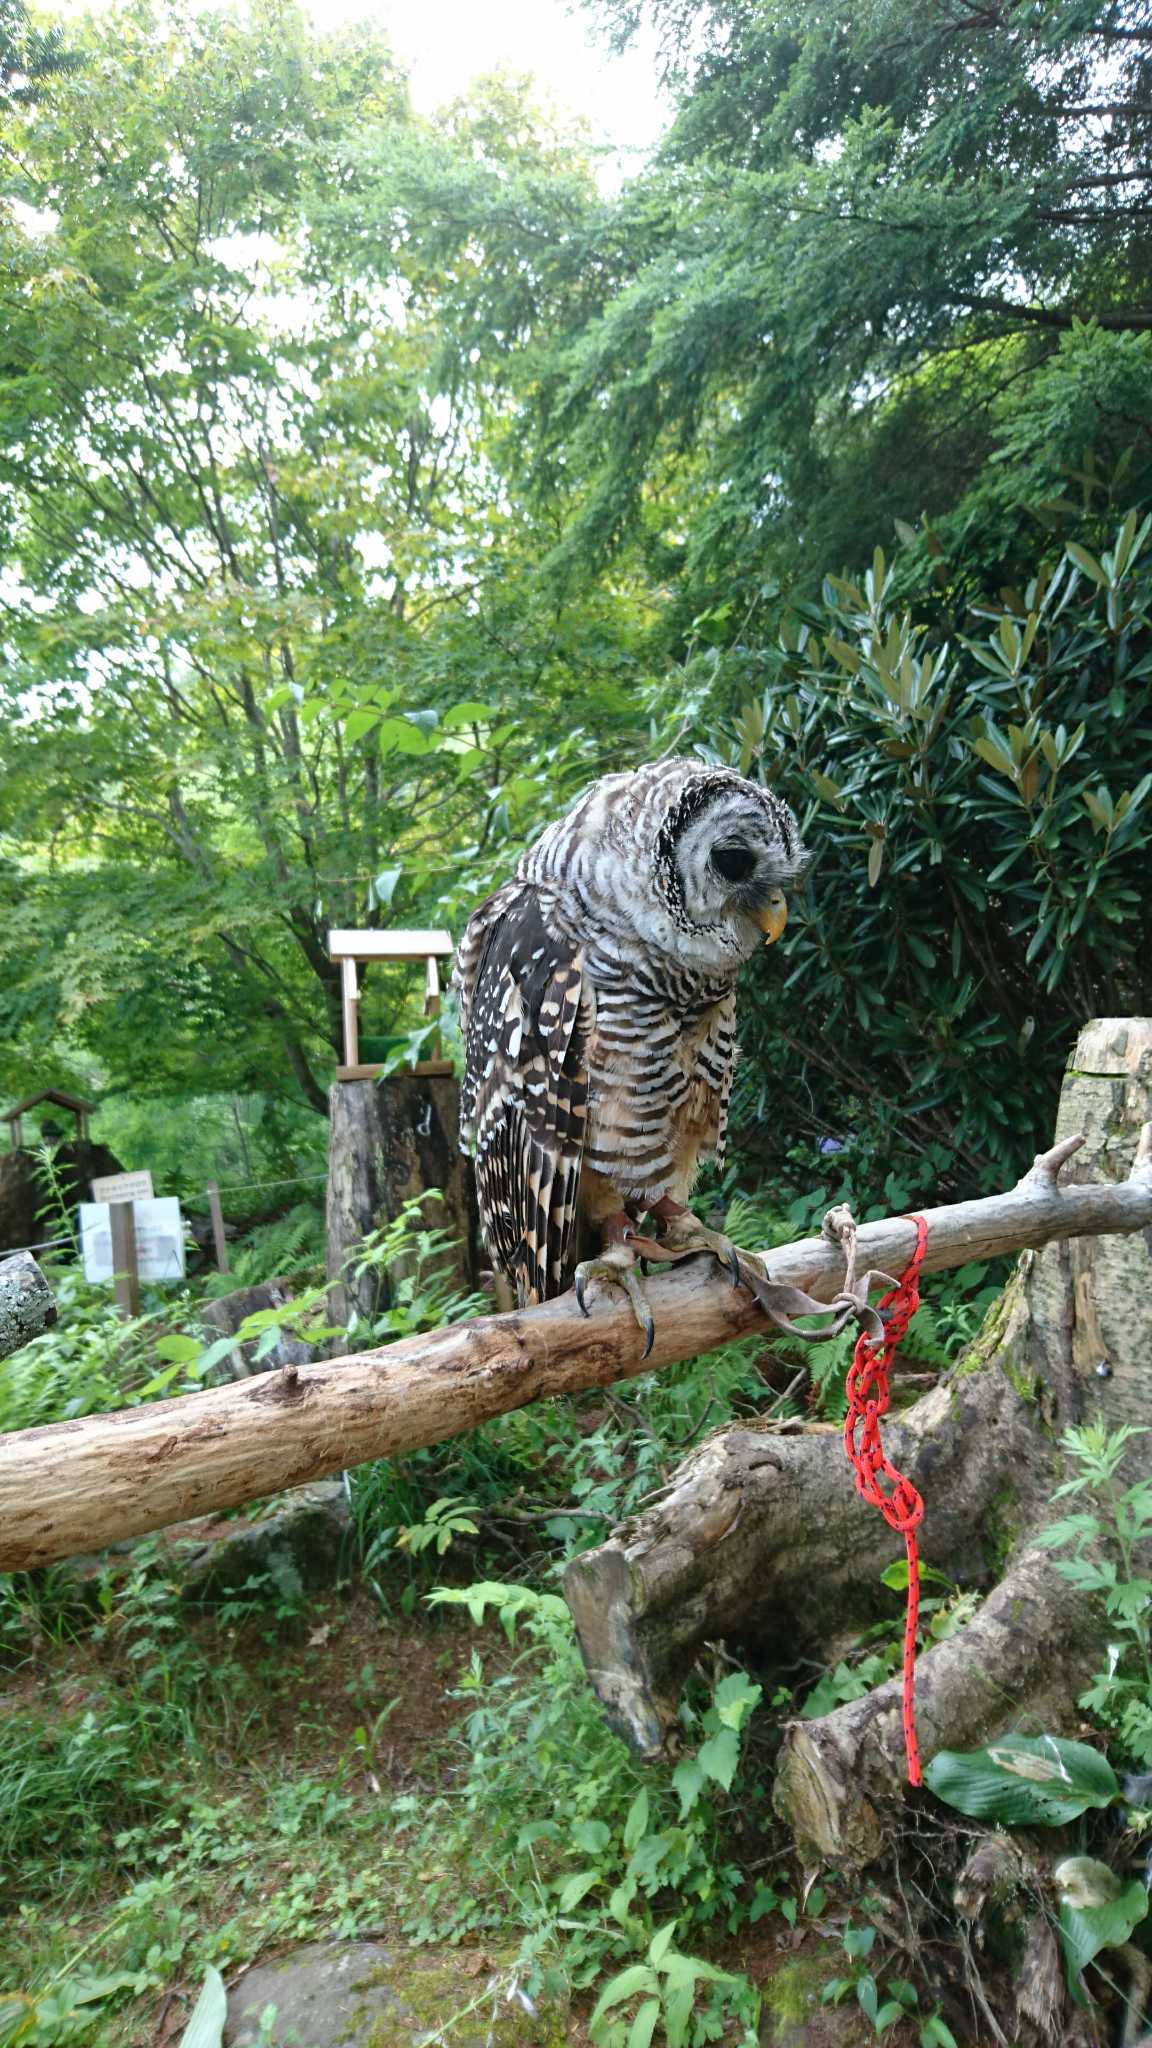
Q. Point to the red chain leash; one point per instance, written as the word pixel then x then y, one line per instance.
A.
pixel 877 1481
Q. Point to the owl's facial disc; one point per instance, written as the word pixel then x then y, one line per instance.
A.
pixel 731 849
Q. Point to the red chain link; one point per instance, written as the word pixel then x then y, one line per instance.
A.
pixel 878 1481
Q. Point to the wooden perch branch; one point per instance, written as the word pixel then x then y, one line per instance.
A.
pixel 81 1485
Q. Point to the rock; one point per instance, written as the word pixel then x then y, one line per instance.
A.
pixel 369 1994
pixel 794 2015
pixel 224 1317
pixel 300 1544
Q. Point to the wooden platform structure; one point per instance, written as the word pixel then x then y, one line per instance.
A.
pixel 80 1109
pixel 351 949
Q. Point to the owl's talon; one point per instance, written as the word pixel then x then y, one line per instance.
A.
pixel 617 1266
pixel 682 1233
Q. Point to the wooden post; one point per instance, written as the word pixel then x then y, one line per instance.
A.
pixel 351 995
pixel 218 1238
pixel 386 1142
pixel 432 999
pixel 125 1276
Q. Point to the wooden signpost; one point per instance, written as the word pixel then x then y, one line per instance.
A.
pixel 131 1237
pixel 218 1238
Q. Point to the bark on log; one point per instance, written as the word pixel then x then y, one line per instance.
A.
pixel 81 1485
pixel 1031 1647
pixel 26 1305
pixel 762 1536
pixel 389 1140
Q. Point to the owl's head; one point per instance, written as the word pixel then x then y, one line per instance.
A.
pixel 726 851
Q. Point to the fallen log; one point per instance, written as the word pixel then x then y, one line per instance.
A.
pixel 80 1485
pixel 761 1538
pixel 26 1305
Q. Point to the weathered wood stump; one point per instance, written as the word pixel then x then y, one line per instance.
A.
pixel 390 1140
pixel 760 1535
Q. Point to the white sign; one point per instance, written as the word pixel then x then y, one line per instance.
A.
pixel 159 1239
pixel 122 1187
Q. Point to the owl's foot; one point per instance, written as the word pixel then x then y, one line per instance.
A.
pixel 617 1266
pixel 682 1233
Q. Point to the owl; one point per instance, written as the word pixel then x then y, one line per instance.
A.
pixel 597 999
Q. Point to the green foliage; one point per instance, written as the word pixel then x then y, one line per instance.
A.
pixel 1097 1911
pixel 205 2027
pixel 1024 1780
pixel 858 286
pixel 556 1820
pixel 289 659
pixel 884 2005
pixel 290 1246
pixel 982 830
pixel 1109 1540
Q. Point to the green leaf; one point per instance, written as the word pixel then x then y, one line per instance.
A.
pixel 626 1984
pixel 735 1698
pixel 1087 562
pixel 636 1824
pixel 593 1836
pixel 935 2033
pixel 468 713
pixel 358 723
pixel 895 1575
pixel 182 1349
pixel 688 1783
pixel 867 1997
pixel 1024 1780
pixel 719 1756
pixel 644 2025
pixel 384 886
pixel 1085 1930
pixel 661 1942
pixel 576 1888
pixel 94 1990
pixel 205 2027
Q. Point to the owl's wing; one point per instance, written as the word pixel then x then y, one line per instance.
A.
pixel 715 1066
pixel 528 1021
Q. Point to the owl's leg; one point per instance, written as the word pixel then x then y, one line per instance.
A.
pixel 682 1233
pixel 620 1248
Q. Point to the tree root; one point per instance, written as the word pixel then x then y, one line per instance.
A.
pixel 1019 1663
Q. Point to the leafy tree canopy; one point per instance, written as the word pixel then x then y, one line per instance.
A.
pixel 890 260
pixel 275 656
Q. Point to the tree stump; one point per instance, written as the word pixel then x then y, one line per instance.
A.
pixel 390 1140
pixel 760 1536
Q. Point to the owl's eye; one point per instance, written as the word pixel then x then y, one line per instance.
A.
pixel 735 863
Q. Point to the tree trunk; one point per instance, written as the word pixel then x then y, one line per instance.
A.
pixel 761 1535
pixel 390 1140
pixel 80 1485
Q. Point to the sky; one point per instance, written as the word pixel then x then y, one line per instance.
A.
pixel 447 43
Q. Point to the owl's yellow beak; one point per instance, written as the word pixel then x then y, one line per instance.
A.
pixel 774 916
